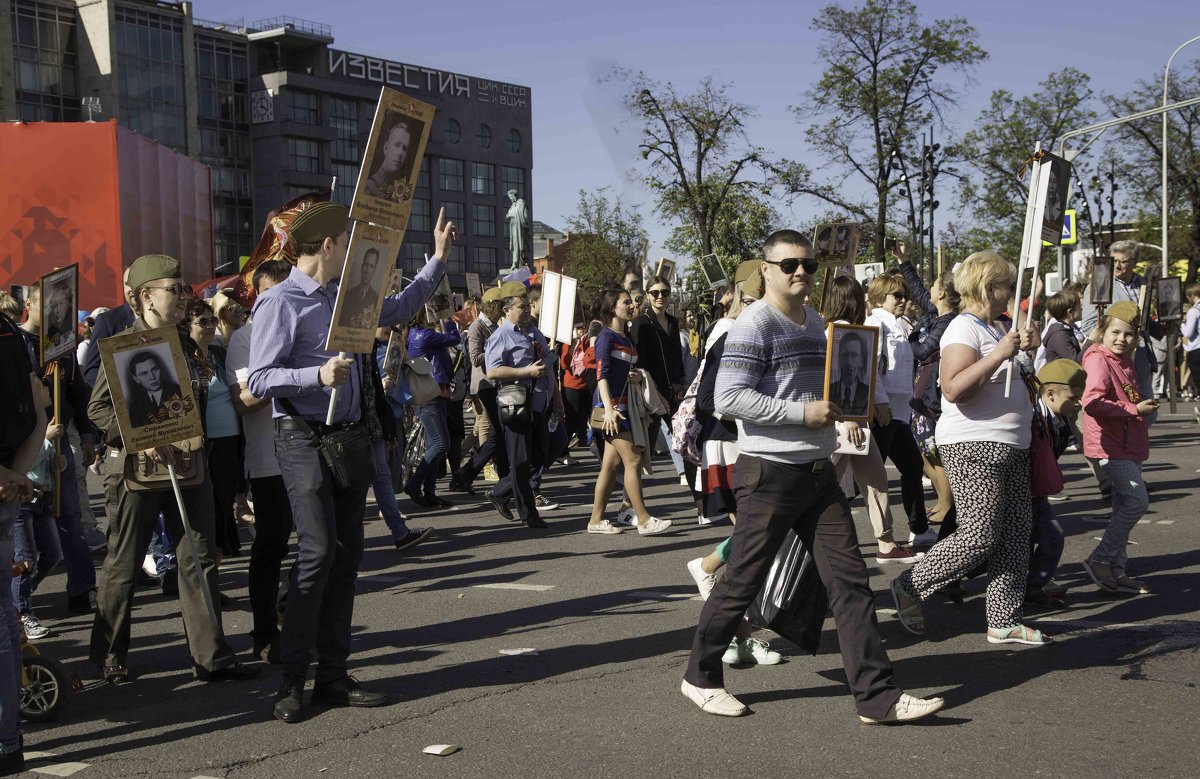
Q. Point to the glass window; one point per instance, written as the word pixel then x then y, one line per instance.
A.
pixel 304 155
pixel 484 136
pixel 514 178
pixel 347 179
pixel 483 261
pixel 414 256
pixel 451 131
pixel 483 220
pixel 45 58
pixel 149 43
pixel 304 107
pixel 457 263
pixel 514 141
pixel 451 175
pixel 457 213
pixel 483 178
pixel 343 118
pixel 419 218
pixel 423 174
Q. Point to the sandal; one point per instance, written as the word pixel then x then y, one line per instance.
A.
pixel 1106 583
pixel 910 615
pixel 115 674
pixel 1131 586
pixel 1017 634
pixel 604 528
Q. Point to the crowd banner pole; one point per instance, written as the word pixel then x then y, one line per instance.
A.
pixel 190 541
pixel 333 396
pixel 1031 252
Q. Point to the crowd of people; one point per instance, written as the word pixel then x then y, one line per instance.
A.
pixel 735 396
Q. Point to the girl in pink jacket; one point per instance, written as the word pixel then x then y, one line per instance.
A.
pixel 1115 433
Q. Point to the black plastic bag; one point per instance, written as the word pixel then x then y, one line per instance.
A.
pixel 793 600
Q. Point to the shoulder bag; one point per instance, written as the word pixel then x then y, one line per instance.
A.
pixel 513 405
pixel 418 377
pixel 141 474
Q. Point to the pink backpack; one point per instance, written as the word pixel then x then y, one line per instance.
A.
pixel 685 427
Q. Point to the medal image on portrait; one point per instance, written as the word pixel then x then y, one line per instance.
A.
pixel 370 260
pixel 152 391
pixel 60 329
pixel 849 370
pixel 837 243
pixel 388 176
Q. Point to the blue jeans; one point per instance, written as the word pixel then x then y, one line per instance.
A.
pixel 81 570
pixel 35 541
pixel 10 643
pixel 437 441
pixel 1129 503
pixel 385 495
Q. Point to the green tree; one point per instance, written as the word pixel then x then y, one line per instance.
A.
pixel 992 196
pixel 606 236
pixel 738 235
pixel 878 92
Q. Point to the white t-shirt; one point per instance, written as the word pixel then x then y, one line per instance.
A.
pixel 987 415
pixel 257 427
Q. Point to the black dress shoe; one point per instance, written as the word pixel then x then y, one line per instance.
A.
pixel 269 652
pixel 12 762
pixel 170 582
pixel 501 509
pixel 440 502
pixel 347 692
pixel 535 522
pixel 289 701
pixel 458 485
pixel 83 603
pixel 418 499
pixel 230 673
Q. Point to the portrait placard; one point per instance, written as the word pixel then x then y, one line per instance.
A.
pixel 837 243
pixel 442 302
pixel 1102 281
pixel 474 287
pixel 60 329
pixel 151 387
pixel 1169 292
pixel 867 271
pixel 392 162
pixel 714 271
pixel 1055 175
pixel 666 270
pixel 393 357
pixel 397 282
pixel 370 258
pixel 850 370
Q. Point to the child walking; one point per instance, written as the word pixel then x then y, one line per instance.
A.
pixel 1115 432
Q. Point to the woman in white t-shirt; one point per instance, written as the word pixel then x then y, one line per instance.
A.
pixel 983 438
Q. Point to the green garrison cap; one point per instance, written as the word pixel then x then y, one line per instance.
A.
pixel 490 294
pixel 1125 311
pixel 745 269
pixel 749 275
pixel 512 289
pixel 149 267
pixel 1066 372
pixel 318 222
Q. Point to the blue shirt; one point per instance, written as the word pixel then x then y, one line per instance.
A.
pixel 287 350
pixel 510 348
pixel 221 420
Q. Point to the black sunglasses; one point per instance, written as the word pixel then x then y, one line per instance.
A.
pixel 790 264
pixel 659 293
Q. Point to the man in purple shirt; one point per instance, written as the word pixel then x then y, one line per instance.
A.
pixel 289 364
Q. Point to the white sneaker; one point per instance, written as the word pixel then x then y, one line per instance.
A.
pixel 683 482
pixel 907 709
pixel 752 651
pixel 713 700
pixel 654 526
pixel 33 628
pixel 928 538
pixel 626 517
pixel 704 581
pixel 703 520
pixel 150 567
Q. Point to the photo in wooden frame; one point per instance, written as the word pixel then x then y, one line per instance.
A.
pixel 59 302
pixel 849 370
pixel 392 162
pixel 1101 286
pixel 666 270
pixel 393 357
pixel 151 388
pixel 714 271
pixel 837 243
pixel 1169 298
pixel 366 274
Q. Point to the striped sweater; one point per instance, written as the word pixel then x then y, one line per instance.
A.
pixel 770 369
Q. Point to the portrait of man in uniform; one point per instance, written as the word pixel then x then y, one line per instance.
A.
pixel 59 290
pixel 362 292
pixel 849 377
pixel 149 383
pixel 392 163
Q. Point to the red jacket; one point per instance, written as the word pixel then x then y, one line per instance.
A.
pixel 565 353
pixel 1112 427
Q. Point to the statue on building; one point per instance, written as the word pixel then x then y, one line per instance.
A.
pixel 518 220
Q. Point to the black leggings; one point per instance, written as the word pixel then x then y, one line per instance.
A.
pixel 895 442
pixel 579 411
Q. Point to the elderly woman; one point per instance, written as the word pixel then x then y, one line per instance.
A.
pixel 983 436
pixel 159 298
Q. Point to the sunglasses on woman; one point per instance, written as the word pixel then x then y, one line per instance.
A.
pixel 659 293
pixel 175 289
pixel 790 264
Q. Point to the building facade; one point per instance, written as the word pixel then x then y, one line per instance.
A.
pixel 274 110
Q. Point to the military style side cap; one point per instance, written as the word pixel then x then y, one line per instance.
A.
pixel 745 269
pixel 512 289
pixel 318 222
pixel 149 267
pixel 1064 371
pixel 1125 311
pixel 490 294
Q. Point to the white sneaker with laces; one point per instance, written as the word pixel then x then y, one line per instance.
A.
pixel 626 517
pixel 714 700
pixel 907 709
pixel 928 538
pixel 704 581
pixel 654 526
pixel 544 504
pixel 755 651
pixel 33 628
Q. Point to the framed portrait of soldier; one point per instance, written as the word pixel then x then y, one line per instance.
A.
pixel 849 374
pixel 392 162
pixel 151 388
pixel 837 244
pixel 1102 281
pixel 714 271
pixel 370 260
pixel 1054 186
pixel 1169 294
pixel 59 301
pixel 665 270
pixel 474 286
pixel 393 357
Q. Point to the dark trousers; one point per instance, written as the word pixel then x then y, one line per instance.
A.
pixel 1047 541
pixel 773 498
pixel 224 470
pixel 578 403
pixel 556 447
pixel 526 453
pixel 272 529
pixel 488 450
pixel 1193 363
pixel 457 429
pixel 895 442
pixel 329 531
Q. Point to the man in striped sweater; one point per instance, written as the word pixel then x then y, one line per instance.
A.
pixel 771 381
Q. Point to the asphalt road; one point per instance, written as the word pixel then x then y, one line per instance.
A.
pixel 611 620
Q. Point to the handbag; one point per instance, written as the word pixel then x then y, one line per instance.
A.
pixel 417 373
pixel 512 403
pixel 596 420
pixel 1046 477
pixel 346 450
pixel 793 601
pixel 141 474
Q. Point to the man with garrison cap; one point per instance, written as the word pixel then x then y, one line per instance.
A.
pixel 491 313
pixel 289 364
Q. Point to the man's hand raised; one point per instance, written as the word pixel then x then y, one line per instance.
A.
pixel 444 236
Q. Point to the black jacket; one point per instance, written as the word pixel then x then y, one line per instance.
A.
pixel 659 353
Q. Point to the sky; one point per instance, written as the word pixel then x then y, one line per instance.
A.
pixel 766 51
